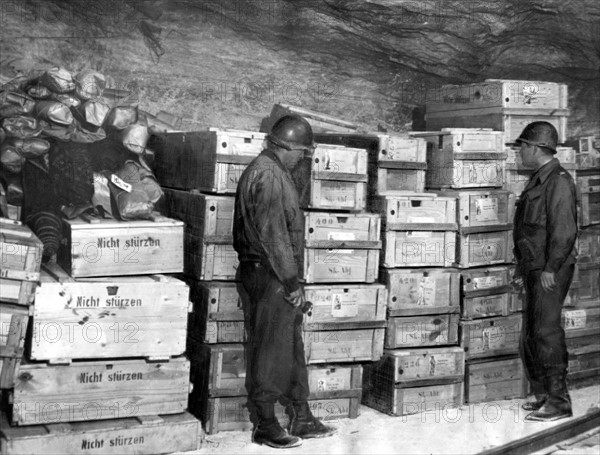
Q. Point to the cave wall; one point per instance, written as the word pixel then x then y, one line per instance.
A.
pixel 224 63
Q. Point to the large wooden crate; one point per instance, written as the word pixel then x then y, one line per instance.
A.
pixel 588 284
pixel 481 210
pixel 426 211
pixel 485 248
pixel 99 390
pixel 209 261
pixel 336 162
pixel 590 209
pixel 21 257
pixel 588 245
pixel 131 316
pixel 396 179
pixel 342 230
pixel 398 400
pixel 484 306
pixel 13 327
pixel 134 435
pixel 584 359
pixel 486 292
pixel 510 120
pixel 320 123
pixel 421 291
pixel 209 161
pixel 217 315
pixel 418 248
pixel 101 247
pixel 580 322
pixel 335 304
pixel 344 345
pixel 340 265
pixel 491 337
pixel 218 370
pixel 422 331
pixel 495 379
pixel 498 93
pixel 416 367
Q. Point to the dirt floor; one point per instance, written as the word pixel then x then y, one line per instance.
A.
pixel 469 429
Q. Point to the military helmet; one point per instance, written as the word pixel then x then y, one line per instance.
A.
pixel 292 132
pixel 542 134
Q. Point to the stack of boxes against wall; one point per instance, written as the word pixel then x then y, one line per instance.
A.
pixel 581 314
pixel 341 249
pixel 418 231
pixel 104 367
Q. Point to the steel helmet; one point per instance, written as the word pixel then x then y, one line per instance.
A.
pixel 542 134
pixel 292 132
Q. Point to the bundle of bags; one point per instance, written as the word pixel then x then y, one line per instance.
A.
pixel 71 145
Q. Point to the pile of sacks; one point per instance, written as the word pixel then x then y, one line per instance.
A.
pixel 70 145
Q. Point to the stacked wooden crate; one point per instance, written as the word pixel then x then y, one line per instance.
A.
pixel 418 230
pixel 105 355
pixel 199 172
pixel 467 165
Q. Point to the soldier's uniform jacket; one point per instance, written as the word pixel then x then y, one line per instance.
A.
pixel 268 224
pixel 545 227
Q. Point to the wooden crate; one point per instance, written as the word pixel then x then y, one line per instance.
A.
pixel 13 327
pixel 340 265
pixel 209 261
pixel 206 216
pixel 486 292
pixel 461 143
pixel 422 331
pixel 382 147
pixel 21 257
pixel 483 210
pixel 584 358
pixel 510 120
pixel 495 379
pixel 101 247
pixel 417 292
pixel 336 162
pixel 580 322
pixel 588 182
pixel 419 248
pixel 218 370
pixel 334 346
pixel 131 316
pixel 396 180
pixel 342 230
pixel 334 195
pixel 217 315
pixel 231 414
pixel 481 281
pixel 134 435
pixel 491 337
pixel 589 143
pixel 588 276
pixel 426 211
pixel 99 390
pixel 590 209
pixel 584 160
pixel 588 245
pixel 209 161
pixel 320 123
pixel 345 303
pixel 397 400
pixel 486 248
pixel 498 93
pixel 416 367
pixel 463 173
pixel 483 306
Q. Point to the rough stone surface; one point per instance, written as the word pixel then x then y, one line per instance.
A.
pixel 224 63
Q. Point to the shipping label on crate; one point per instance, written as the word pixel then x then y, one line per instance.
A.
pixel 329 383
pixel 486 209
pixel 429 365
pixel 344 306
pixel 575 319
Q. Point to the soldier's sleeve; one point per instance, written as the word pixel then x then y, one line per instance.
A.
pixel 272 227
pixel 561 227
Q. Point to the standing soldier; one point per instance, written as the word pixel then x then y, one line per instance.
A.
pixel 267 231
pixel 545 230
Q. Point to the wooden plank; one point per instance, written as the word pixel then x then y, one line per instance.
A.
pixel 335 265
pixel 422 331
pixel 418 212
pixel 13 328
pixel 99 390
pixel 166 434
pixel 418 249
pixel 130 316
pixel 319 122
pixel 115 248
pixel 417 292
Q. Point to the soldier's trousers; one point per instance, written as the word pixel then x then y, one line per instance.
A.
pixel 543 346
pixel 275 364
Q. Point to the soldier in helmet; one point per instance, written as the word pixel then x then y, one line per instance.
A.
pixel 545 230
pixel 268 230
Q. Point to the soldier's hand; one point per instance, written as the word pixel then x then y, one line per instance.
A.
pixel 296 298
pixel 548 281
pixel 517 282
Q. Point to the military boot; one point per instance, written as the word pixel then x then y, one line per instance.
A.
pixel 304 425
pixel 268 430
pixel 558 403
pixel 535 405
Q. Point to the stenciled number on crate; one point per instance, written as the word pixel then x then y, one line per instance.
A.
pixel 51 332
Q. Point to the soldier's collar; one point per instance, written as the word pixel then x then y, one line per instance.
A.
pixel 544 172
